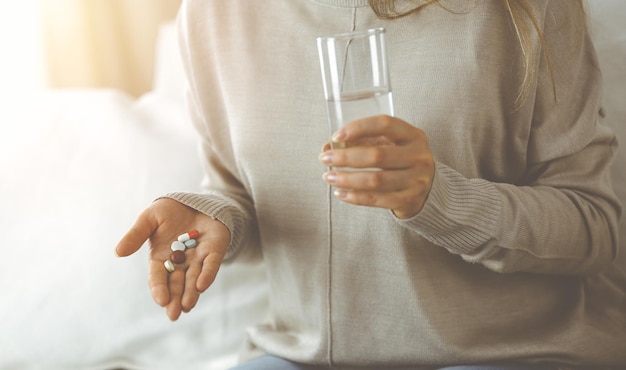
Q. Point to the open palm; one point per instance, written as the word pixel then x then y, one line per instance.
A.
pixel 161 224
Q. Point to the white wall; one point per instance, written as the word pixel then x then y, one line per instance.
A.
pixel 21 65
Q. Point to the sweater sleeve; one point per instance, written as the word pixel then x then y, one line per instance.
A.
pixel 563 218
pixel 224 197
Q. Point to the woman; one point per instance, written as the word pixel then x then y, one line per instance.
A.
pixel 486 238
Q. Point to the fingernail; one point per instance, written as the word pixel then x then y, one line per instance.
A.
pixel 330 177
pixel 339 135
pixel 326 158
pixel 340 193
pixel 116 254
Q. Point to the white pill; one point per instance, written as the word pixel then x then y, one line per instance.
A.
pixel 169 265
pixel 177 246
pixel 191 243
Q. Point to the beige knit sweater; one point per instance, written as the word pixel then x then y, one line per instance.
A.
pixel 510 257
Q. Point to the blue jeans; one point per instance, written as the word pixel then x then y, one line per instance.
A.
pixel 269 362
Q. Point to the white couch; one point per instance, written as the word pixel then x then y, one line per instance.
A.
pixel 75 169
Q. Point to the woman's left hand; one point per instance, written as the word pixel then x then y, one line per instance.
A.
pixel 392 145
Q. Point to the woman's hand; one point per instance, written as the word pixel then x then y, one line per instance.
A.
pixel 161 224
pixel 392 145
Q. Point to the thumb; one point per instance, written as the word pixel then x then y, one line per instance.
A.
pixel 136 236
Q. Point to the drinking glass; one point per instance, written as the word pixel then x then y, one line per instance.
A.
pixel 355 76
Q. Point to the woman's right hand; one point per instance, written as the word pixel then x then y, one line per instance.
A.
pixel 161 223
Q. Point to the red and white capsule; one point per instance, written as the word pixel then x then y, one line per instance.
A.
pixel 188 235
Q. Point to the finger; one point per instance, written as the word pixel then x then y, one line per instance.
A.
pixel 210 267
pixel 406 203
pixel 176 288
pixel 191 293
pixel 394 129
pixel 381 181
pixel 136 236
pixel 384 157
pixel 157 281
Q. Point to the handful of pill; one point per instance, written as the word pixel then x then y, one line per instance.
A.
pixel 178 247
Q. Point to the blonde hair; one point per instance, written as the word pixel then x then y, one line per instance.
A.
pixel 524 23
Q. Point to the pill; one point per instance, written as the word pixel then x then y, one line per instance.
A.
pixel 188 235
pixel 177 246
pixel 178 257
pixel 169 266
pixel 191 243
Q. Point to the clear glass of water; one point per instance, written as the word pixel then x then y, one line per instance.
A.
pixel 355 75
